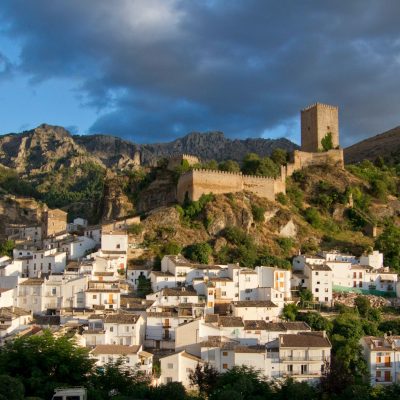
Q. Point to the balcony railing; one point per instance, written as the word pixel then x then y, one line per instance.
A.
pixel 303 358
pixel 300 373
pixel 384 365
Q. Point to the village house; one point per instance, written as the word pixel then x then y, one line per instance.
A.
pixel 382 355
pixel 132 357
pixel 177 367
pixel 12 320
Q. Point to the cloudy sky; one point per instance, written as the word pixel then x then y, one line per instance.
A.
pixel 153 70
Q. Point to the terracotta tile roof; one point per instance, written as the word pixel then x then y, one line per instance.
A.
pixel 32 282
pixel 115 349
pixel 160 273
pixel 234 322
pixel 9 313
pixel 255 325
pixel 249 349
pixel 191 357
pixel 161 314
pixel 296 326
pixel 304 339
pixel 254 303
pixel 179 291
pixel 121 318
pixel 319 267
pixel 209 318
pixel 221 342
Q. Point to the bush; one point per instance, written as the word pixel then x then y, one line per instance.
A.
pixel 229 166
pixel 313 217
pixel 327 142
pixel 285 244
pixel 258 213
pixel 135 229
pixel 281 198
pixel 198 252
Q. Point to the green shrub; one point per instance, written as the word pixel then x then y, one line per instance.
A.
pixel 313 217
pixel 135 229
pixel 198 252
pixel 286 244
pixel 258 213
pixel 327 142
pixel 282 198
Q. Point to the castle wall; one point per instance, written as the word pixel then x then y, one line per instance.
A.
pixel 316 121
pixel 197 182
pixel 176 161
pixel 302 159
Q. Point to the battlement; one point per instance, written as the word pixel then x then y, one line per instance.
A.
pixel 322 105
pixel 176 160
pixel 197 182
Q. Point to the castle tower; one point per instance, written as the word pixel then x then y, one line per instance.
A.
pixel 316 121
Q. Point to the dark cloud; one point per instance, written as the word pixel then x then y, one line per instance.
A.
pixel 157 69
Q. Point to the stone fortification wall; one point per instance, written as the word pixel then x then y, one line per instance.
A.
pixel 302 159
pixel 197 182
pixel 202 181
pixel 176 161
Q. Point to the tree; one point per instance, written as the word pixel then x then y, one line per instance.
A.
pixel 241 383
pixel 204 377
pixel 114 378
pixel 388 243
pixel 254 165
pixel 306 295
pixel 45 362
pixel 6 248
pixel 316 321
pixel 198 252
pixel 279 156
pixel 363 305
pixel 11 388
pixel 327 142
pixel 143 286
pixel 169 391
pixel 290 312
pixel 258 213
pixel 293 390
pixel 229 166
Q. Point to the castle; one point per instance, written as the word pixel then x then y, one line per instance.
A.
pixel 317 121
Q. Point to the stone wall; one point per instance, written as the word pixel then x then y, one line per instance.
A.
pixel 303 159
pixel 176 161
pixel 197 182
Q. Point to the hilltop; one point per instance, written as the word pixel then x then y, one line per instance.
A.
pixel 382 145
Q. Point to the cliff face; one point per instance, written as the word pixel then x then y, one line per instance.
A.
pixel 42 149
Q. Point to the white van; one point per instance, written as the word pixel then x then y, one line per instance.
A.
pixel 72 393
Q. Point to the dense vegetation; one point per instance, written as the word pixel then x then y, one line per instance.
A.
pixel 36 365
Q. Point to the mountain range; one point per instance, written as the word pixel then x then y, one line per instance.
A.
pixel 48 147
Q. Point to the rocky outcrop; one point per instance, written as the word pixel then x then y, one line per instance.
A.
pixel 115 204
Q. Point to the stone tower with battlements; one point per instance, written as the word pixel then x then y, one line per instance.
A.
pixel 316 121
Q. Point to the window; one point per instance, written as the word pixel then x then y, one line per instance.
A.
pixel 354 284
pixel 94 296
pixel 360 275
pixel 290 368
pixel 326 299
pixel 354 275
pixel 168 379
pixel 317 290
pixel 118 246
pixel 53 291
pixel 170 366
pixel 318 282
pixel 326 290
pixel 223 293
pixel 317 273
pixel 127 329
pixel 111 329
pixel 225 353
pixel 224 366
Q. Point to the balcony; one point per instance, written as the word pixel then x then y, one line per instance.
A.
pixel 301 374
pixel 384 365
pixel 303 358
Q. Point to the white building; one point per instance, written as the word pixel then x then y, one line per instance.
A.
pixel 177 367
pixel 382 355
pixel 132 357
